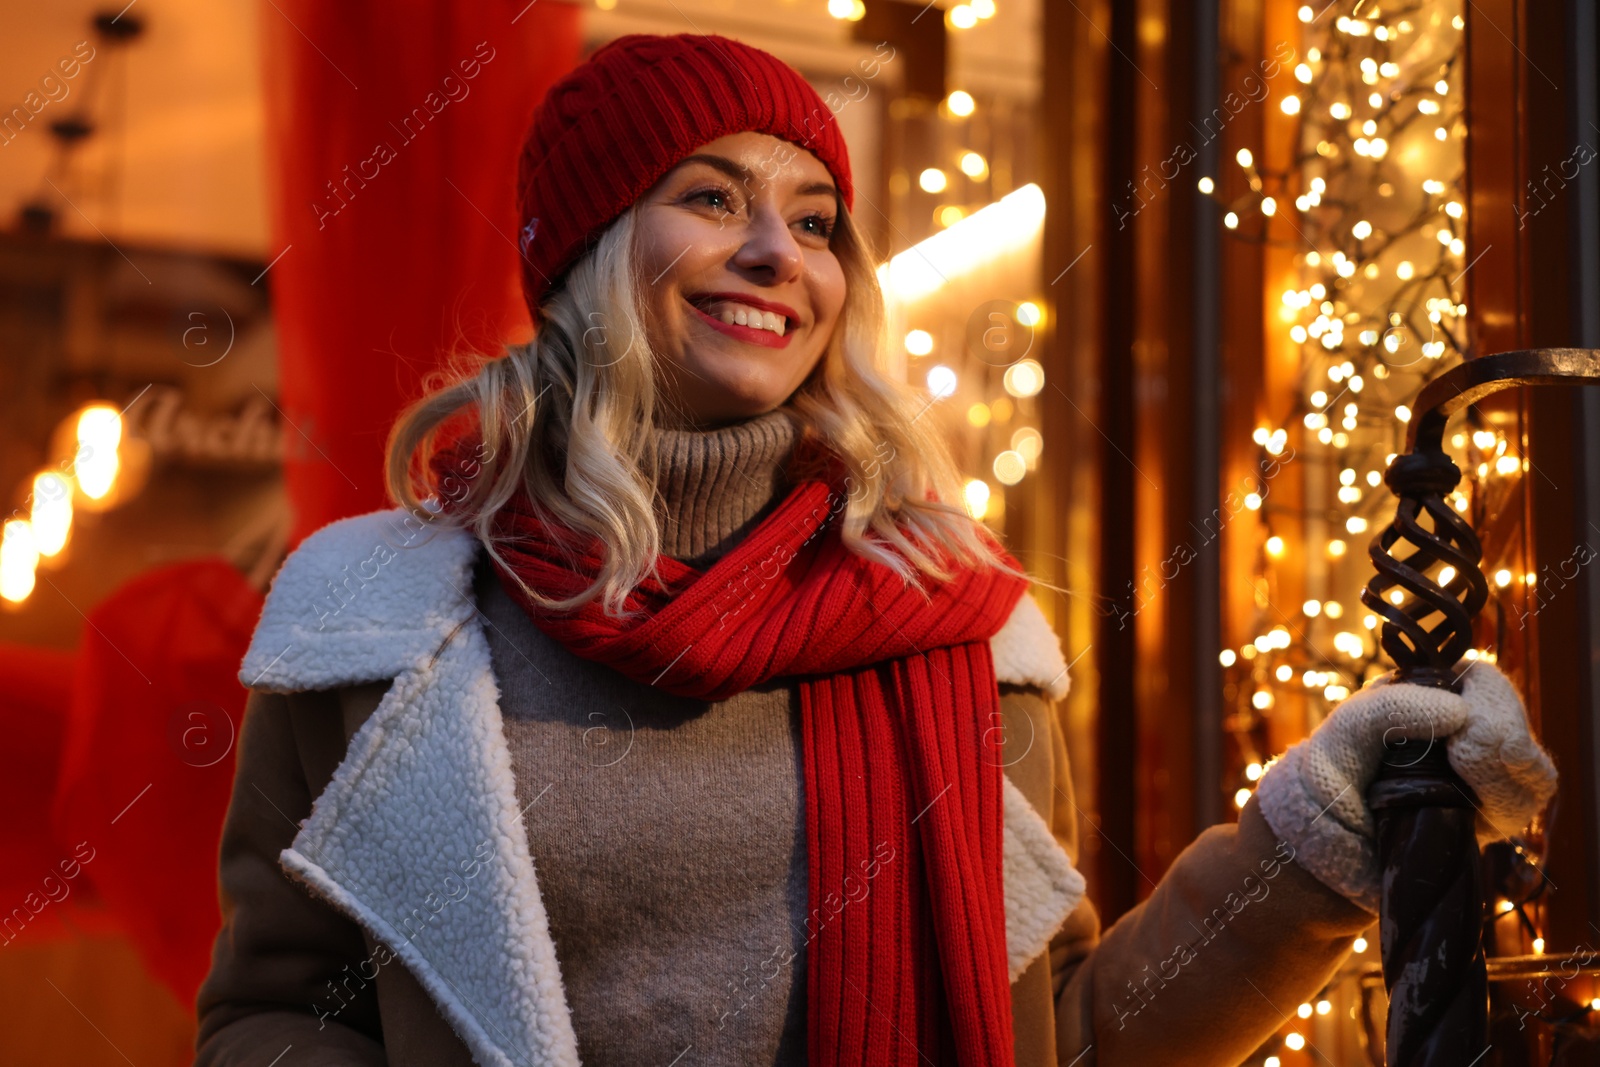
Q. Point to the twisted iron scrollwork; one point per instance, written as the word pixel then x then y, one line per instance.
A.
pixel 1431 910
pixel 1422 480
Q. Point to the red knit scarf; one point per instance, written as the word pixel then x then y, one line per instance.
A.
pixel 906 951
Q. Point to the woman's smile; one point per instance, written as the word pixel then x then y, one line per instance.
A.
pixel 747 318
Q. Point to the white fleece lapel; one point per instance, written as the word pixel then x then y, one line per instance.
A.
pixel 425 796
pixel 439 871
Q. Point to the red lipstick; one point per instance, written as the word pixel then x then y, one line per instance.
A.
pixel 751 334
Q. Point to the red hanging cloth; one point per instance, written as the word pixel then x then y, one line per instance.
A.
pixel 392 139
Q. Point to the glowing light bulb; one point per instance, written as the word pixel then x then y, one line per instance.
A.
pixel 959 103
pixel 976 496
pixel 19 559
pixel 919 342
pixel 933 180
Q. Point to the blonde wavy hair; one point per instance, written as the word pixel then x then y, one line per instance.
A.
pixel 569 418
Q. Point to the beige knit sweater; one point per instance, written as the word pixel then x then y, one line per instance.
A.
pixel 681 892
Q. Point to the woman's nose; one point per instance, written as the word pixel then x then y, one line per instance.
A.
pixel 769 248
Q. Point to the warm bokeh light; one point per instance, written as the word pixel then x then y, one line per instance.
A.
pixel 96 463
pixel 50 512
pixel 19 559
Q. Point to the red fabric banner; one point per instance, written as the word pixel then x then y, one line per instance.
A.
pixel 392 139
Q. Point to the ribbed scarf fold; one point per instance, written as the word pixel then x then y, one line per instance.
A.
pixel 906 961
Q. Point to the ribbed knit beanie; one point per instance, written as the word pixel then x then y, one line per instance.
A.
pixel 611 129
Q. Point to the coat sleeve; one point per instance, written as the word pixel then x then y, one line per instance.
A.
pixel 1227 946
pixel 286 967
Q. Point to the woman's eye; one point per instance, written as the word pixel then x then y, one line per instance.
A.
pixel 717 199
pixel 818 225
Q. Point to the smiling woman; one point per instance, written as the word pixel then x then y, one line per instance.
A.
pixel 694 506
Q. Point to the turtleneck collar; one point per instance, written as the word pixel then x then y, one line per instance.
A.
pixel 715 485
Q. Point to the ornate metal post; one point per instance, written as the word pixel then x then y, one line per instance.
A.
pixel 1430 919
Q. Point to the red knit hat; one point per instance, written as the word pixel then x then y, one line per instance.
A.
pixel 609 130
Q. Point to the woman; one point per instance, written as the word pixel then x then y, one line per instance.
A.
pixel 675 717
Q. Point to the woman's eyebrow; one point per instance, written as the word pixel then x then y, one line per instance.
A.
pixel 741 173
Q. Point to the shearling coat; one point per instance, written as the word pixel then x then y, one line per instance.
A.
pixel 381 907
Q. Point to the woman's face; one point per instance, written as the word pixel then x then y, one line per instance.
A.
pixel 742 288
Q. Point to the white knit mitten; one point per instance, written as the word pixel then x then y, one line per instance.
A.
pixel 1313 796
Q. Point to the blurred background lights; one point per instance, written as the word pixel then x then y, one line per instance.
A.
pixel 19 559
pixel 976 495
pixel 1024 378
pixel 1009 467
pixel 1028 443
pixel 95 465
pixel 51 512
pixel 972 244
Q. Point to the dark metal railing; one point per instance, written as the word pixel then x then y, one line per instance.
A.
pixel 1431 908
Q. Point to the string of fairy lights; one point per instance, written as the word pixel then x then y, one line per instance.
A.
pixel 1372 202
pixel 1372 311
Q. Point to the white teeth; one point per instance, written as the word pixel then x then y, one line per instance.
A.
pixel 739 315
